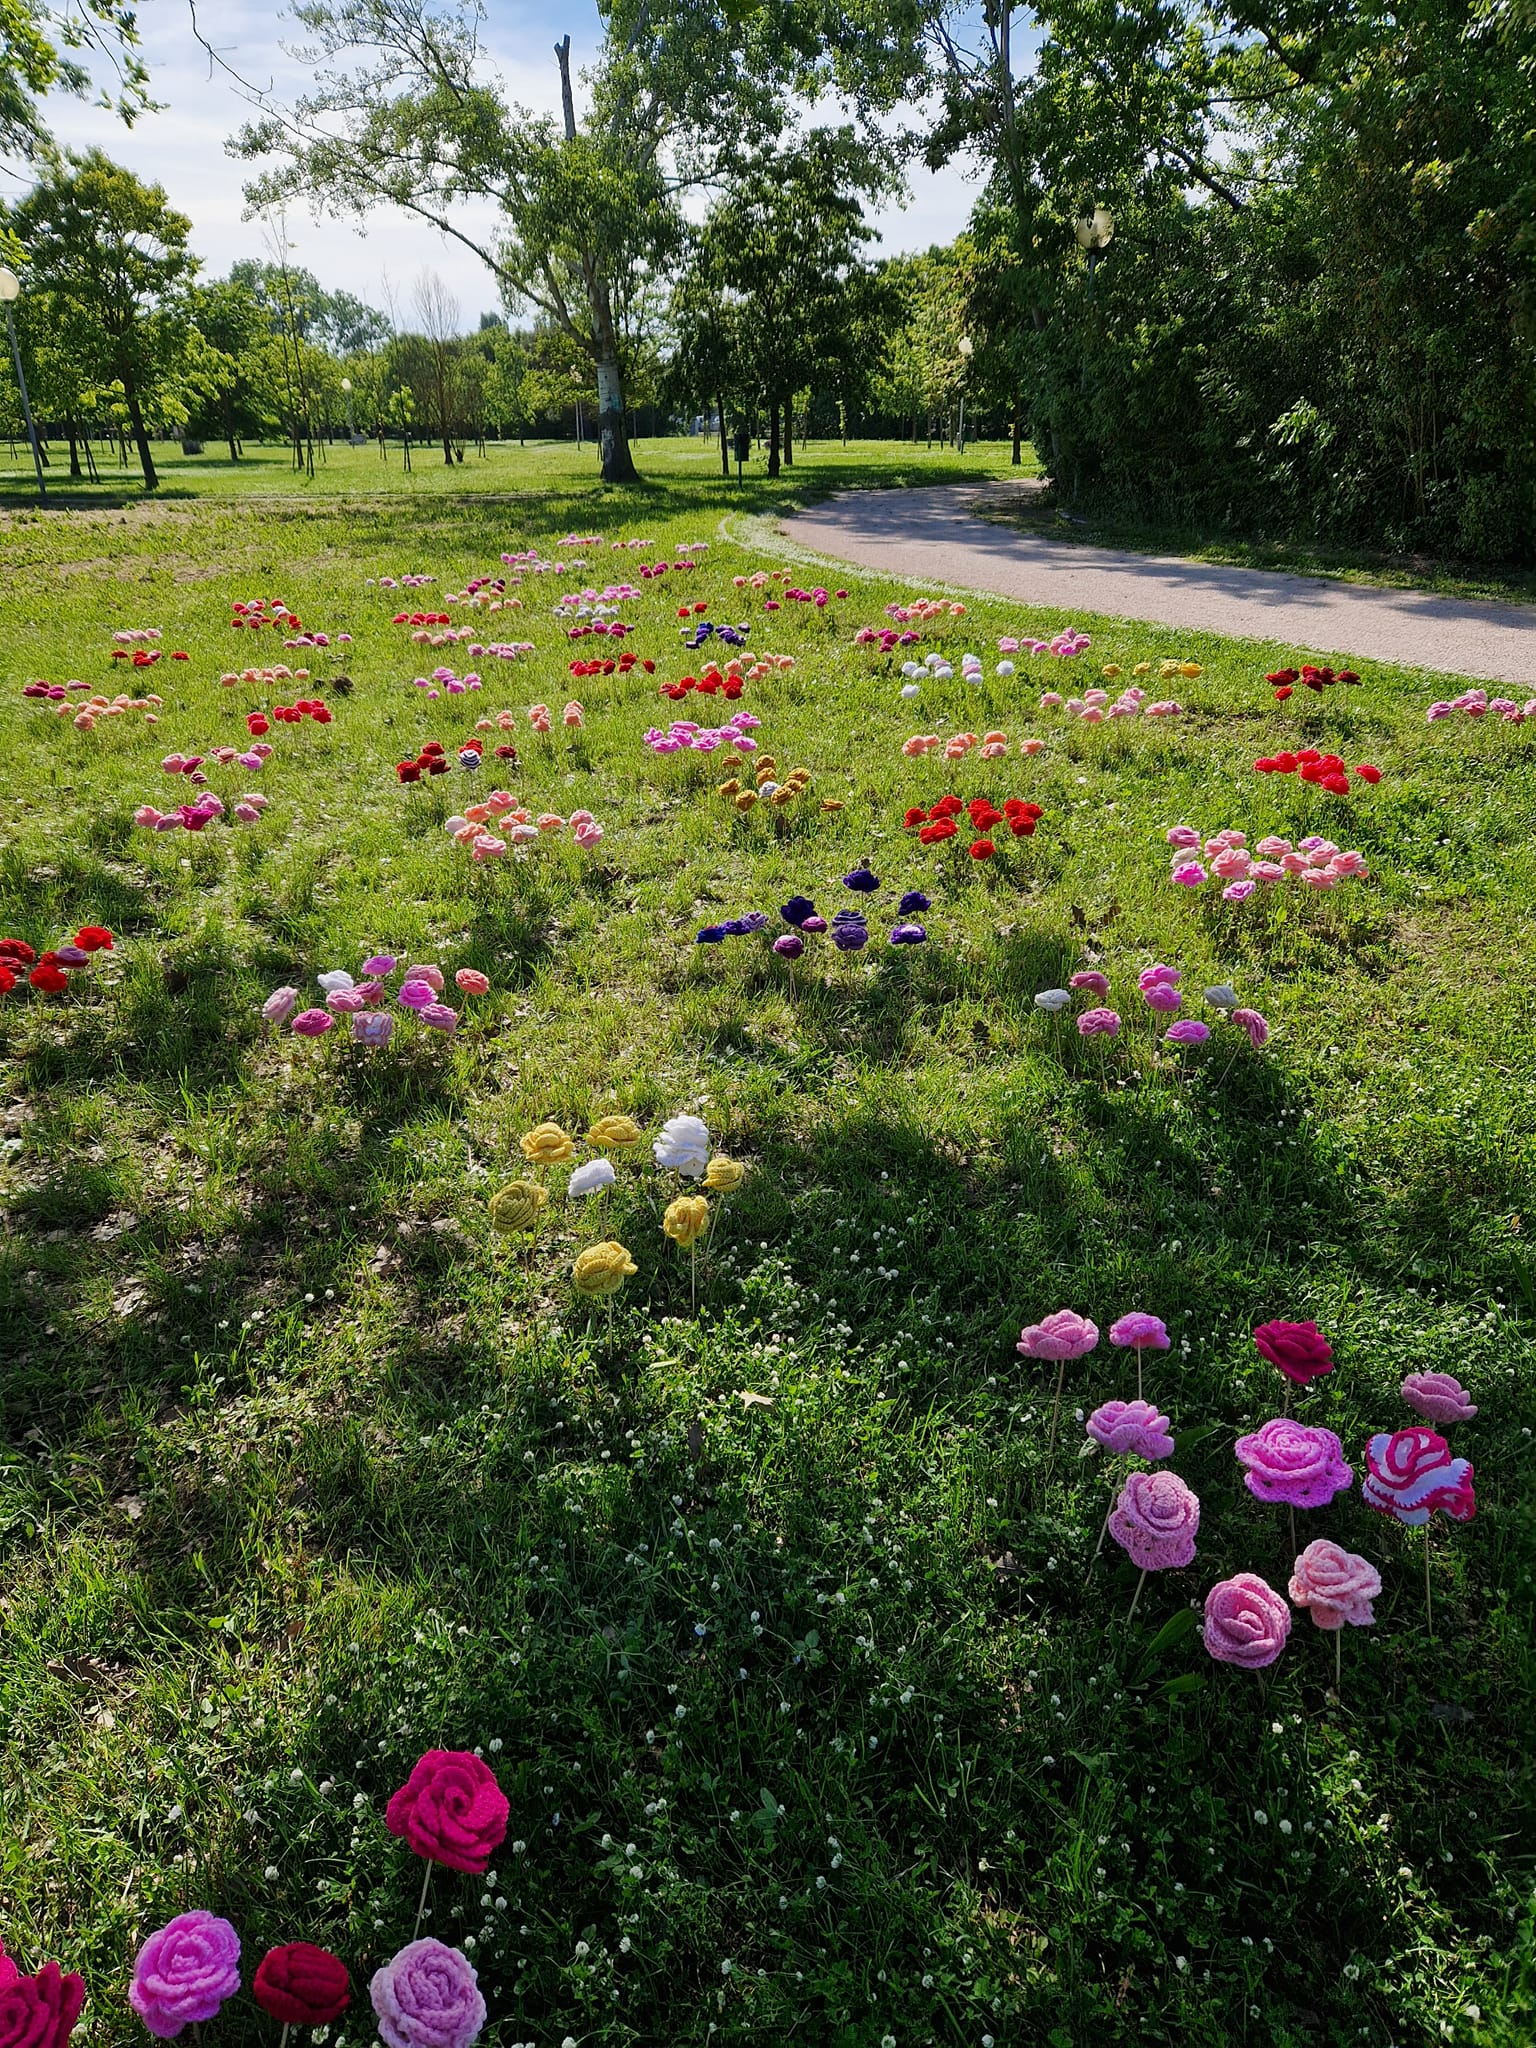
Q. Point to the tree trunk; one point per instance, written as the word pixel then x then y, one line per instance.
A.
pixel 789 433
pixel 1018 432
pixel 773 437
pixel 618 465
pixel 74 447
pixel 229 427
pixel 725 446
pixel 140 438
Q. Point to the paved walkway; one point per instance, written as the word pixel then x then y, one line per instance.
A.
pixel 932 535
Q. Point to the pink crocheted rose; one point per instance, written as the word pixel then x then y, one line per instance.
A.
pixel 1300 1350
pixel 8 1970
pixel 1337 1585
pixel 451 1810
pixel 1143 1332
pixel 1099 1023
pixel 1411 1473
pixel 1131 1429
pixel 185 1972
pixel 1155 1520
pixel 39 2011
pixel 1287 1462
pixel 427 1996
pixel 1246 1622
pixel 1438 1397
pixel 1065 1334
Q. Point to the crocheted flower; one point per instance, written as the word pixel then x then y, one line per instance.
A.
pixel 1289 1463
pixel 1054 1000
pixel 38 2011
pixel 301 1985
pixel 313 1023
pixel 280 1005
pixel 602 1268
pixel 1162 995
pixel 1155 1520
pixel 1131 1429
pixel 913 904
pixel 797 910
pixel 451 1810
pixel 1411 1473
pixel 546 1145
pixel 724 1175
pixel 94 938
pixel 372 1027
pixel 427 1996
pixel 1098 1023
pixel 1251 1023
pixel 1090 980
pixel 380 963
pixel 1300 1350
pixel 516 1206
pixel 591 1177
pixel 1337 1585
pixel 472 981
pixel 862 880
pixel 1064 1334
pixel 1438 1397
pixel 1188 1031
pixel 683 1146
pixel 614 1134
pixel 1140 1331
pixel 185 1972
pixel 1246 1622
pixel 686 1219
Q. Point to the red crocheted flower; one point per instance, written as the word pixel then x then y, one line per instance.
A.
pixel 301 1985
pixel 451 1810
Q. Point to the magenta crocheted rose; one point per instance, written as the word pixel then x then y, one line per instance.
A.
pixel 1062 1335
pixel 1337 1585
pixel 1246 1622
pixel 1131 1429
pixel 185 1972
pixel 1155 1520
pixel 1299 1349
pixel 38 2011
pixel 1411 1473
pixel 451 1810
pixel 1144 1332
pixel 1438 1397
pixel 1289 1463
pixel 427 1997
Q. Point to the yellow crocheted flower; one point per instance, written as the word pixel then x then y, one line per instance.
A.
pixel 728 788
pixel 1110 670
pixel 602 1268
pixel 724 1175
pixel 546 1145
pixel 1142 668
pixel 831 803
pixel 766 765
pixel 686 1219
pixel 746 800
pixel 614 1134
pixel 516 1207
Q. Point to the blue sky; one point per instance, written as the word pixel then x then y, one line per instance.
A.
pixel 183 148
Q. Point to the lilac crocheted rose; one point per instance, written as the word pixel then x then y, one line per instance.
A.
pixel 1155 1520
pixel 1337 1585
pixel 1143 1332
pixel 185 1972
pixel 1131 1429
pixel 1064 1334
pixel 1246 1622
pixel 1438 1397
pixel 1188 1031
pixel 1290 1463
pixel 427 1997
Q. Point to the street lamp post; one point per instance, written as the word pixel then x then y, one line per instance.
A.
pixel 10 292
pixel 965 363
pixel 1095 231
pixel 346 392
pixel 576 380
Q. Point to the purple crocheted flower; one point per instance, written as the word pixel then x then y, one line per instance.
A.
pixel 1438 1397
pixel 789 946
pixel 1155 1520
pixel 1162 995
pixel 185 1972
pixel 1246 1622
pixel 1293 1464
pixel 427 1996
pixel 1188 1031
pixel 1131 1429
pixel 1141 1331
pixel 1098 1023
pixel 1065 1334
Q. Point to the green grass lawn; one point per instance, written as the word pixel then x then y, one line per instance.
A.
pixel 816 1724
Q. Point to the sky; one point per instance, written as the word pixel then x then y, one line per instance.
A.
pixel 182 148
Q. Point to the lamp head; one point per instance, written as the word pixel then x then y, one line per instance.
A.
pixel 966 346
pixel 346 383
pixel 10 286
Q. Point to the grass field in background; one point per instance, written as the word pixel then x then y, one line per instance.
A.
pixel 815 1722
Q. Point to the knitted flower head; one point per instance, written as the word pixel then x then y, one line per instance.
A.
pixel 1299 1350
pixel 1246 1622
pixel 723 1176
pixel 1438 1397
pixel 427 1996
pixel 185 1972
pixel 1411 1473
pixel 614 1134
pixel 302 1986
pixel 1288 1463
pixel 683 1146
pixel 38 2011
pixel 451 1810
pixel 602 1268
pixel 1131 1429
pixel 546 1145
pixel 516 1207
pixel 686 1219
pixel 1140 1332
pixel 1155 1520
pixel 591 1177
pixel 1063 1334
pixel 1337 1585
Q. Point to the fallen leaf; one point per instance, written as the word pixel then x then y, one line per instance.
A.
pixel 750 1400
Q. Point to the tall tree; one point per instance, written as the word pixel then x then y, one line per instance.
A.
pixel 40 50
pixel 410 115
pixel 113 257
